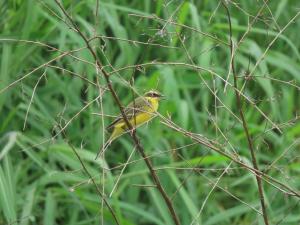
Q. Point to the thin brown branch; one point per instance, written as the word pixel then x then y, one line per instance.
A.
pixel 263 55
pixel 210 192
pixel 31 99
pixel 92 179
pixel 223 189
pixel 196 67
pixel 132 134
pixel 244 122
pixel 73 73
pixel 217 147
pixel 134 42
pixel 154 17
pixel 31 72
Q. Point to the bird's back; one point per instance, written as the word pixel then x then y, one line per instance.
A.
pixel 141 105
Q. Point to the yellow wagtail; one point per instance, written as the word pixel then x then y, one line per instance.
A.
pixel 138 112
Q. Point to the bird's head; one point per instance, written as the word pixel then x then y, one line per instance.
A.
pixel 154 94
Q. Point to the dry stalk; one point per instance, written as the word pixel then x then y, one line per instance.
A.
pixel 135 139
pixel 244 122
pixel 92 179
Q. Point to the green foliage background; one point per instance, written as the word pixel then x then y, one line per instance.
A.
pixel 41 180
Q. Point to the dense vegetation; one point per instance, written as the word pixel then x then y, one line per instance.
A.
pixel 53 100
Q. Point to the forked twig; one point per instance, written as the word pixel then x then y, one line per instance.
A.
pixel 31 99
pixel 217 147
pixel 92 179
pixel 210 192
pixel 244 122
pixel 118 102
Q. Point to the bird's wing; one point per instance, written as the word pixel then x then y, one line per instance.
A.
pixel 131 110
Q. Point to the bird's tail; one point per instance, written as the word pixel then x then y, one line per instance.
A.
pixel 103 148
pixel 113 136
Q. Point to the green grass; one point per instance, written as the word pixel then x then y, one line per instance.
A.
pixel 41 179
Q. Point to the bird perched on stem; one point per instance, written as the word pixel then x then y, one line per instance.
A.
pixel 141 110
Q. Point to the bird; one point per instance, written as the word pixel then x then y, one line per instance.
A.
pixel 140 111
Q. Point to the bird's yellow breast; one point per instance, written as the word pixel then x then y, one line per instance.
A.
pixel 153 104
pixel 147 113
pixel 140 119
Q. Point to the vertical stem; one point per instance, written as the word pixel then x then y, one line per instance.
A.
pixel 92 179
pixel 133 134
pixel 244 122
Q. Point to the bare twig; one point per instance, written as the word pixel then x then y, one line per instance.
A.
pixel 31 72
pixel 263 55
pixel 134 42
pixel 92 179
pixel 132 134
pixel 244 122
pixel 31 99
pixel 74 74
pixel 121 173
pixel 225 189
pixel 154 17
pixel 196 67
pixel 210 192
pixel 295 143
pixel 218 148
